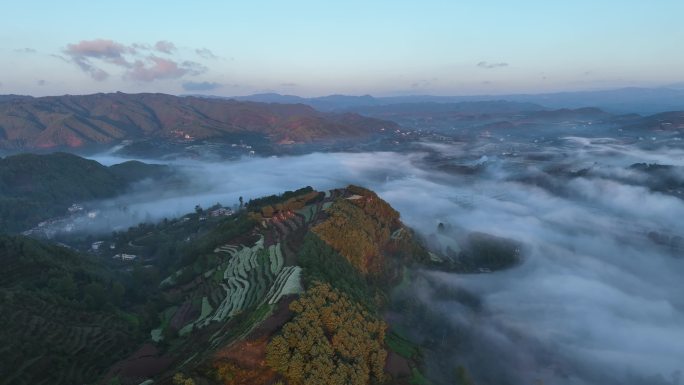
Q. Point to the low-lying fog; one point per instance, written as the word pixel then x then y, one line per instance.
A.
pixel 597 300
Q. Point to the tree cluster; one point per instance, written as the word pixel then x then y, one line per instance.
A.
pixel 256 204
pixel 321 263
pixel 294 203
pixel 331 340
pixel 358 236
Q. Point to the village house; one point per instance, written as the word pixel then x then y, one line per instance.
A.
pixel 75 208
pixel 96 245
pixel 125 257
pixel 221 211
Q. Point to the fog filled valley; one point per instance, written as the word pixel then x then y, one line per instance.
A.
pixel 231 242
pixel 592 295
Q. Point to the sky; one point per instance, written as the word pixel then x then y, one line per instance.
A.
pixel 311 48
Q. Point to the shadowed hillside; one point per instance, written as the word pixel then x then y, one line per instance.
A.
pixel 254 297
pixel 37 187
pixel 63 320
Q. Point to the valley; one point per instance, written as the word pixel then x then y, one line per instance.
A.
pixel 342 193
pixel 218 283
pixel 194 259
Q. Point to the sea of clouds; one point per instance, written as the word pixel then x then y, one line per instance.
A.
pixel 595 300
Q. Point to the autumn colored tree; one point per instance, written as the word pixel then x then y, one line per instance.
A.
pixel 180 379
pixel 267 207
pixel 358 229
pixel 331 340
pixel 462 377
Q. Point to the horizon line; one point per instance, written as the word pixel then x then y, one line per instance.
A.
pixel 670 87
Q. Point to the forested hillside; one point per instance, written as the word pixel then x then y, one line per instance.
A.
pixel 37 187
pixel 254 297
pixel 64 317
pixel 76 121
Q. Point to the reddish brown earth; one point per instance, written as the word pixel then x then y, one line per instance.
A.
pixel 184 315
pixel 79 120
pixel 280 316
pixel 144 363
pixel 246 353
pixel 246 360
pixel 397 366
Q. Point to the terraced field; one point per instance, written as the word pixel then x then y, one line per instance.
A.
pixel 218 304
pixel 248 277
pixel 81 345
pixel 223 282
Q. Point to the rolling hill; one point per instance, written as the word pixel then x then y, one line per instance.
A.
pixel 63 317
pixel 671 121
pixel 256 297
pixel 37 187
pixel 77 121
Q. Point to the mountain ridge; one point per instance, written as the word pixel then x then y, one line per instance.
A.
pixel 81 120
pixel 620 101
pixel 224 300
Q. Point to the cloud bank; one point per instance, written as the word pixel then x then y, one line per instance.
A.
pixel 205 53
pixel 137 62
pixel 165 47
pixel 597 300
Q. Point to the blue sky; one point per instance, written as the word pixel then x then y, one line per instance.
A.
pixel 311 48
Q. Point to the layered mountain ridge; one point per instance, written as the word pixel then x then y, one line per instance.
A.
pixel 77 121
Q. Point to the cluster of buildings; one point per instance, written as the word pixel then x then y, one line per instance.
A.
pixel 245 146
pixel 182 135
pixel 75 208
pixel 99 245
pixel 220 212
pixel 125 257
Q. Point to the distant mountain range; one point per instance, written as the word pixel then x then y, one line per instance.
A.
pixel 106 119
pixel 624 100
pixel 76 121
pixel 666 121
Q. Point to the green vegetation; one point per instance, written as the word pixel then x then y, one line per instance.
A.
pixel 356 233
pixel 283 205
pixel 258 203
pixel 402 346
pixel 309 212
pixel 34 188
pixel 287 282
pixel 462 376
pixel 367 231
pixel 322 263
pixel 487 252
pixel 78 314
pixel 62 311
pixel 417 378
pixel 175 250
pixel 240 281
pixel 226 300
pixel 64 276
